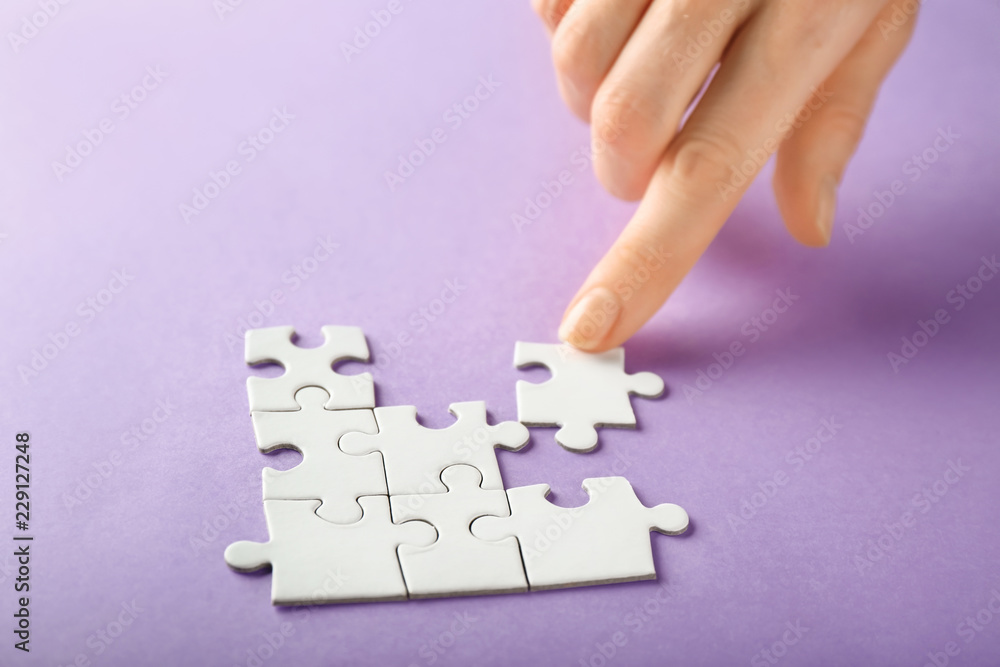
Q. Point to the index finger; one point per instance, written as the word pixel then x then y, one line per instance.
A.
pixel 766 76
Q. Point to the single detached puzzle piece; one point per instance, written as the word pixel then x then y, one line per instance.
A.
pixel 308 367
pixel 585 391
pixel 314 561
pixel 604 541
pixel 326 473
pixel 458 563
pixel 414 455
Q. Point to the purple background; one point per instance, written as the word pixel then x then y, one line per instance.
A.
pixel 728 591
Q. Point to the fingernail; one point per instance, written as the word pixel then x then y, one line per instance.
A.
pixel 590 320
pixel 827 207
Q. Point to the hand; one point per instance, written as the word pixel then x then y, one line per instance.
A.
pixel 796 77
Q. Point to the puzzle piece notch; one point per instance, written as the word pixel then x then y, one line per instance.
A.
pixel 458 563
pixel 325 473
pixel 585 391
pixel 414 455
pixel 314 561
pixel 604 541
pixel 308 367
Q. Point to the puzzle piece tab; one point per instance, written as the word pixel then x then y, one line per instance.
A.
pixel 306 367
pixel 326 473
pixel 604 541
pixel 314 561
pixel 458 563
pixel 585 391
pixel 414 455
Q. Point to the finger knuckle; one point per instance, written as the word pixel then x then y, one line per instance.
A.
pixel 551 11
pixel 634 254
pixel 701 160
pixel 808 25
pixel 574 49
pixel 616 109
pixel 846 122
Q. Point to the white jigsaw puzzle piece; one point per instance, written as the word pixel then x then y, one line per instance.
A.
pixel 306 367
pixel 326 473
pixel 314 561
pixel 604 541
pixel 415 455
pixel 585 391
pixel 458 563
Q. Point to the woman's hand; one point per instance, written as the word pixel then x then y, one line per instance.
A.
pixel 796 77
